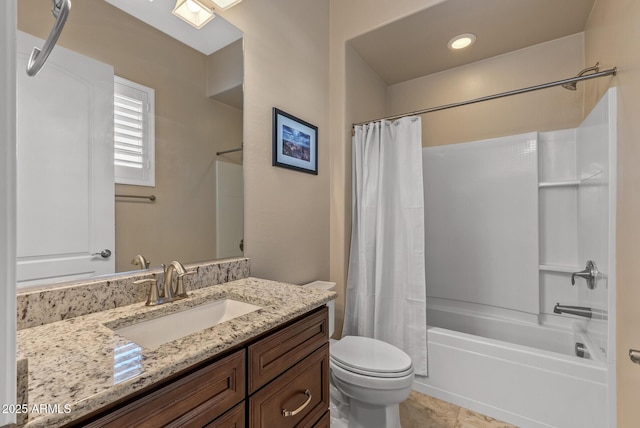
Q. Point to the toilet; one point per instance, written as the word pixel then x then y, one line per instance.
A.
pixel 369 378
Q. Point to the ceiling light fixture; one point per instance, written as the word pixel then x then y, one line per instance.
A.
pixel 461 41
pixel 225 4
pixel 195 12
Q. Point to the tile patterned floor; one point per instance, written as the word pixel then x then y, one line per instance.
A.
pixel 422 411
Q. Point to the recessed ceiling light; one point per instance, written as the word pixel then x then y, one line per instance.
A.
pixel 197 13
pixel 461 41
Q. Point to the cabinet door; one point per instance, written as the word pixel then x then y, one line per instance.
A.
pixel 298 398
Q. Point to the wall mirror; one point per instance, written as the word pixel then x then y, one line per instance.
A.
pixel 193 209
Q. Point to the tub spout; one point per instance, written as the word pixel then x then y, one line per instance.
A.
pixel 573 310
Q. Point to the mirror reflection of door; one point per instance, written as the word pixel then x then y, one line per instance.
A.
pixel 65 205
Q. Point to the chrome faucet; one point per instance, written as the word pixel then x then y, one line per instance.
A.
pixel 141 261
pixel 581 311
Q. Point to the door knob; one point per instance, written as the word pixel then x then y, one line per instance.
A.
pixel 105 254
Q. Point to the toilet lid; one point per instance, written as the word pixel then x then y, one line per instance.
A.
pixel 370 356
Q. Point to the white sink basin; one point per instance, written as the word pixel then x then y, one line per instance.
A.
pixel 155 332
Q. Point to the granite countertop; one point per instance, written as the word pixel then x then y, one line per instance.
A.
pixel 79 365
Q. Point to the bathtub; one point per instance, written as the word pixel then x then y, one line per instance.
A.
pixel 518 372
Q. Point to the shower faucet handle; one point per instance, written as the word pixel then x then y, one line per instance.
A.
pixel 590 274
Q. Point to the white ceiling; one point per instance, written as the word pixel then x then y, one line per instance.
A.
pixel 419 42
pixel 215 35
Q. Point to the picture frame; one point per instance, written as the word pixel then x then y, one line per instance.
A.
pixel 295 143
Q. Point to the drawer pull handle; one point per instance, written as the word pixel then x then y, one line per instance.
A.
pixel 287 413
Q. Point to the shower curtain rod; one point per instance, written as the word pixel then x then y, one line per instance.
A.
pixel 609 72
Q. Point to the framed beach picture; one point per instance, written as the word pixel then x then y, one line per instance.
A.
pixel 295 143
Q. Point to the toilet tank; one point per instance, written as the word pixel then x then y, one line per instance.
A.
pixel 328 286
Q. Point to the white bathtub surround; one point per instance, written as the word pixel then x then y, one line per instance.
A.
pixel 494 353
pixel 385 296
pixel 481 226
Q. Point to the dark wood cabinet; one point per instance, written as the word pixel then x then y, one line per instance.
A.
pixel 284 370
pixel 297 398
pixel 193 400
pixel 276 353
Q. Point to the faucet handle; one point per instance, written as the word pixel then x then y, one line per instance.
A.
pixel 180 291
pixel 152 296
pixel 590 274
pixel 190 272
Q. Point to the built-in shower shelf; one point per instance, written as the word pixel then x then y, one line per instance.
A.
pixel 560 268
pixel 568 183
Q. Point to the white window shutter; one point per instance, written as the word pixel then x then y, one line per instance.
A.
pixel 134 136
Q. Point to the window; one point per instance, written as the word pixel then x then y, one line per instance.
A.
pixel 134 137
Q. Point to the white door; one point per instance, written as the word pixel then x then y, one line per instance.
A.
pixel 7 207
pixel 229 209
pixel 65 196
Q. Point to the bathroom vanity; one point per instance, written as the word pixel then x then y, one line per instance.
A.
pixel 266 368
pixel 278 380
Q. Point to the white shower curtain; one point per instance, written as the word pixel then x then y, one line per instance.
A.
pixel 386 295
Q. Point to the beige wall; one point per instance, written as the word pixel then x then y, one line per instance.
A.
pixel 366 98
pixel 225 74
pixel 547 110
pixel 612 37
pixel 286 47
pixel 190 128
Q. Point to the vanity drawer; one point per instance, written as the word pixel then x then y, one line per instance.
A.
pixel 193 400
pixel 234 418
pixel 289 392
pixel 274 354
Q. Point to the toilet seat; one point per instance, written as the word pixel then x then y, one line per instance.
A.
pixel 346 379
pixel 362 372
pixel 370 357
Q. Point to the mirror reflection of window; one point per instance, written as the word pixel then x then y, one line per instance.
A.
pixel 133 133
